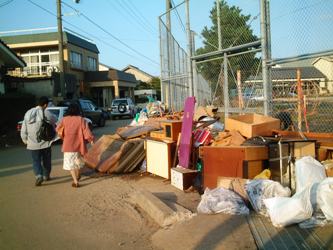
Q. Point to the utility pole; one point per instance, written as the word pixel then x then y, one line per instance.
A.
pixel 168 24
pixel 61 51
pixel 189 49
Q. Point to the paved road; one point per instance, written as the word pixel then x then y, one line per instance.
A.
pixel 18 157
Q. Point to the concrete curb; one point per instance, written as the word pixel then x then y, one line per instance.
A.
pixel 162 214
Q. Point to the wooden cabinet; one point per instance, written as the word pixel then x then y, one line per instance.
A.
pixel 159 156
pixel 243 162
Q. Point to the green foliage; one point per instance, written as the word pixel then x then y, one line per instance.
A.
pixel 235 31
pixel 154 84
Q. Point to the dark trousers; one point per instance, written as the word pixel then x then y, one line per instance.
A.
pixel 41 162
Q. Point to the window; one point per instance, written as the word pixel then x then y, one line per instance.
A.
pixel 92 63
pixel 76 60
pixel 39 61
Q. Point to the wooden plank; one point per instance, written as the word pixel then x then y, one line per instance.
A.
pixel 310 135
pixel 186 133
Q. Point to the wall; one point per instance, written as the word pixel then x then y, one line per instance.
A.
pixel 79 73
pixel 43 87
pixel 139 75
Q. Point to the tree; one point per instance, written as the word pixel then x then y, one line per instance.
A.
pixel 235 31
pixel 155 84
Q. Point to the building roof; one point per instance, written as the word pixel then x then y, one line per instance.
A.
pixel 290 73
pixel 110 75
pixel 51 36
pixel 9 57
pixel 137 69
pixel 326 58
pixel 106 66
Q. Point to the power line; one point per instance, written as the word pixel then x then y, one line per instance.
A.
pixel 128 15
pixel 107 32
pixel 5 3
pixel 78 28
pixel 143 17
pixel 180 20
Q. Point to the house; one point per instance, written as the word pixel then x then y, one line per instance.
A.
pixel 40 77
pixel 40 52
pixel 110 84
pixel 325 65
pixel 139 74
pixel 8 60
pixel 104 67
pixel 284 81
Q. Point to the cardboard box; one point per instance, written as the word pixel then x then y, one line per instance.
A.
pixel 235 184
pixel 251 125
pixel 182 178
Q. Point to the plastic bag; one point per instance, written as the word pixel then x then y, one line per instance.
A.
pixel 285 211
pixel 258 190
pixel 308 171
pixel 325 198
pixel 221 200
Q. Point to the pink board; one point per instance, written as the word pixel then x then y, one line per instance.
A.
pixel 184 152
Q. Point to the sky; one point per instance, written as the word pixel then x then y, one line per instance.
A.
pixel 126 31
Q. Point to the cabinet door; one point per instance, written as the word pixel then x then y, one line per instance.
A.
pixel 158 158
pixel 226 162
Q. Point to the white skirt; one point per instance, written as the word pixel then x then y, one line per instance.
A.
pixel 72 160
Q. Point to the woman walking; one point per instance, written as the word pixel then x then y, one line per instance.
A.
pixel 75 132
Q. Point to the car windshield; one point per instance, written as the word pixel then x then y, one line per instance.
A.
pixel 56 112
pixel 120 101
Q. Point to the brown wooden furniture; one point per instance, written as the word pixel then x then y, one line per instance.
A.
pixel 242 161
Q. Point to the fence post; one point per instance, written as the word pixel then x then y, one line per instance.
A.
pixel 226 86
pixel 267 85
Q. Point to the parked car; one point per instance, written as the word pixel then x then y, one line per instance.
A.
pixel 59 112
pixel 88 110
pixel 122 107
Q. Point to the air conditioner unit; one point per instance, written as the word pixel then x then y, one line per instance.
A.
pixel 49 70
pixel 55 69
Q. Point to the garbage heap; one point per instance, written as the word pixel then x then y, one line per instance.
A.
pixel 245 163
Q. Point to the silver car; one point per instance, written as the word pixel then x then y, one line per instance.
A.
pixel 122 107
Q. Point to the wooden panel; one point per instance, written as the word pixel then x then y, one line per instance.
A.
pixel 304 149
pixel 159 158
pixel 250 125
pixel 171 129
pixel 228 162
pixel 252 169
pixel 185 145
pixel 256 153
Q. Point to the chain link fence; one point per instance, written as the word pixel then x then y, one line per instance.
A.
pixel 300 62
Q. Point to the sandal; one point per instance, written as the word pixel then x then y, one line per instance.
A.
pixel 75 185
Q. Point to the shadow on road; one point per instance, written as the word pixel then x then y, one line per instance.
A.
pixel 15 171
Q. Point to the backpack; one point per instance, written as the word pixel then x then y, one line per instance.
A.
pixel 46 131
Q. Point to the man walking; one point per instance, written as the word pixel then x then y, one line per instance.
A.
pixel 40 149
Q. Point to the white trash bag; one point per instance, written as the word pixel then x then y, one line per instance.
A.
pixel 258 190
pixel 308 171
pixel 284 211
pixel 221 200
pixel 325 198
